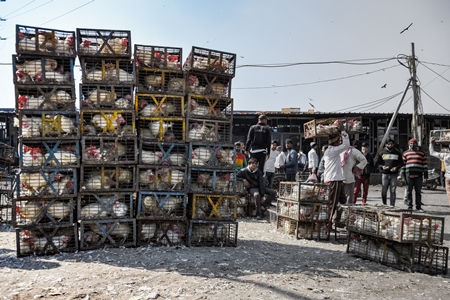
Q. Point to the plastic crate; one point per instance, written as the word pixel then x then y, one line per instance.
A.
pixel 49 154
pixel 159 105
pixel 202 180
pixel 166 154
pixel 213 207
pixel 38 212
pixel 209 107
pixel 105 205
pixel 46 240
pixel 100 234
pixel 161 205
pixel 442 136
pixel 107 71
pixel 158 57
pixel 45 41
pixel 31 70
pixel 325 127
pixel 303 191
pixel 209 131
pixel 108 123
pixel 212 233
pixel 32 98
pixel 162 232
pixel 219 156
pixel 48 183
pixel 211 61
pixel 109 150
pixel 164 129
pixel 7 153
pixel 48 125
pixel 103 42
pixel 109 96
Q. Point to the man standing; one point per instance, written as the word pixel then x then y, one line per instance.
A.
pixel 241 159
pixel 290 166
pixel 364 178
pixel 389 161
pixel 445 158
pixel 313 158
pixel 415 167
pixel 258 141
pixel 352 162
pixel 269 166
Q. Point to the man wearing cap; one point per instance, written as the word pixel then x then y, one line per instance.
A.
pixel 269 166
pixel 258 141
pixel 416 166
pixel 313 158
pixel 389 161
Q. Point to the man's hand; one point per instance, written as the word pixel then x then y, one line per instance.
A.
pixel 385 167
pixel 432 139
pixel 282 167
pixel 394 169
pixel 341 126
pixel 246 184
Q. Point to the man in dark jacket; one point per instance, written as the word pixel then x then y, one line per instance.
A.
pixel 254 181
pixel 258 141
pixel 291 164
pixel 389 161
pixel 364 178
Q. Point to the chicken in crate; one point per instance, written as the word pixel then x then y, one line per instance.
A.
pixel 162 178
pixel 209 107
pixel 97 234
pixel 166 154
pixel 314 230
pixel 211 61
pixel 109 96
pixel 303 211
pixel 49 154
pixel 442 136
pixel 46 240
pixel 31 70
pixel 159 105
pixel 107 178
pixel 45 41
pixel 164 129
pixel 325 127
pixel 213 207
pixel 208 131
pixel 92 206
pixel 162 81
pixel 108 123
pixel 430 259
pixel 109 150
pixel 107 71
pixel 212 233
pixel 161 205
pixel 39 212
pixel 32 98
pixel 47 125
pixel 103 43
pixel 158 57
pixel 213 181
pixel 216 156
pixel 287 225
pixel 306 191
pixel 48 183
pixel 208 85
pixel 161 232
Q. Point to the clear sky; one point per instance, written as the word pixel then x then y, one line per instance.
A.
pixel 265 32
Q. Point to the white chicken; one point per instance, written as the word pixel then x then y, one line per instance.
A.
pixel 56 76
pixel 63 185
pixel 177 159
pixel 34 67
pixel 147 178
pixel 59 209
pixel 124 103
pixel 174 178
pixel 159 128
pixel 120 209
pixel 203 154
pixel 94 210
pixel 114 46
pixel 123 175
pixel 121 230
pixel 58 124
pixel 96 181
pixel 121 75
pixel 86 47
pixel 150 206
pixel 61 158
pixel 148 231
pixel 30 102
pixel 153 82
pixel 226 157
pixel 100 97
pixel 61 97
pixel 107 121
pixel 111 151
pixel 31 126
pixel 151 157
pixel 97 75
pixel 32 157
pixel 33 181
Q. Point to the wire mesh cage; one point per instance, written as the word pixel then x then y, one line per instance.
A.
pixel 303 191
pixel 162 232
pixel 48 183
pixel 44 41
pixel 6 207
pixel 287 225
pixel 165 129
pixel 159 105
pixel 45 125
pixel 161 81
pixel 161 205
pixel 313 230
pixel 209 131
pixel 212 233
pixel 103 205
pixel 32 98
pixel 202 180
pixel 31 70
pixel 430 259
pixel 108 123
pixel 442 136
pixel 107 71
pixel 220 156
pixel 211 61
pixel 109 96
pixel 168 154
pixel 49 154
pixel 207 85
pixel 325 127
pixel 303 211
pixel 213 207
pixel 107 178
pixel 46 240
pixel 103 43
pixel 209 107
pixel 7 153
pixel 158 57
pixel 39 212
pixel 109 150
pixel 162 178
pixel 97 234
pixel 364 219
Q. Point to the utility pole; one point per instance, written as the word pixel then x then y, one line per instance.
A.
pixel 417 121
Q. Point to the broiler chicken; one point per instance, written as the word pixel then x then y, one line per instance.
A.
pixel 94 210
pixel 174 178
pixel 115 46
pixel 96 181
pixel 123 175
pixel 203 154
pixel 30 210
pixel 31 126
pixel 159 128
pixel 147 178
pixel 121 75
pixel 32 157
pixel 100 97
pixel 63 185
pixel 150 157
pixel 59 209
pixel 61 98
pixel 153 82
pixel 226 157
pixel 33 181
pixel 30 102
pixel 107 121
pixel 61 158
pixel 222 182
pixel 148 231
pixel 120 209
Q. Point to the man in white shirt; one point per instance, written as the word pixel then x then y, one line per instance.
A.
pixel 313 158
pixel 353 162
pixel 279 161
pixel 269 166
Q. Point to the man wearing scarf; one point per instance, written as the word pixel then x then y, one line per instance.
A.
pixel 352 162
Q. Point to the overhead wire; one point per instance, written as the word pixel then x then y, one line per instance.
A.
pixel 434 99
pixel 67 12
pixel 29 10
pixel 348 62
pixel 19 8
pixel 376 103
pixel 439 75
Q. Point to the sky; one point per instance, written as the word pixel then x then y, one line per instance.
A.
pixel 333 55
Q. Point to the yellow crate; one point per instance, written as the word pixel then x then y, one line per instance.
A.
pixel 214 207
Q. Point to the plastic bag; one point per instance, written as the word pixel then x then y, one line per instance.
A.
pixel 312 178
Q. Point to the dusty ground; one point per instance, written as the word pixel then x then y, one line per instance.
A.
pixel 264 265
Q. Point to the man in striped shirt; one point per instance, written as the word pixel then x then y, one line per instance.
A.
pixel 415 167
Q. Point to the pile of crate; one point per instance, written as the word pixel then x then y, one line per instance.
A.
pixel 303 210
pixel 49 155
pixel 105 204
pixel 6 182
pixel 399 239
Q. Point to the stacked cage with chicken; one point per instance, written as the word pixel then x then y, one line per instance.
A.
pixel 303 210
pixel 105 204
pixel 7 178
pixel 398 238
pixel 48 150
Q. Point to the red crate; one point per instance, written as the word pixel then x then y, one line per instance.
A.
pixel 162 178
pixel 166 154
pixel 107 71
pixel 209 107
pixel 39 212
pixel 98 234
pixel 108 123
pixel 215 156
pixel 159 105
pixel 31 70
pixel 166 129
pixel 47 125
pixel 99 96
pixel 32 98
pixel 49 154
pixel 162 232
pixel 211 61
pixel 103 42
pixel 109 150
pixel 48 183
pixel 104 205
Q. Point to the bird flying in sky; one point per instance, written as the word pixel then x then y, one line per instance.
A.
pixel 312 105
pixel 384 86
pixel 406 28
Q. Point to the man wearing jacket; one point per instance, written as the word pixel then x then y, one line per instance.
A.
pixel 353 162
pixel 389 161
pixel 291 164
pixel 254 181
pixel 364 178
pixel 258 141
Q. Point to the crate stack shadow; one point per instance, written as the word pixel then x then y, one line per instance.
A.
pixel 49 157
pixel 106 202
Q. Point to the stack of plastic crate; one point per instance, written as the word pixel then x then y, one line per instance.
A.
pixel 303 210
pixel 105 205
pixel 399 239
pixel 48 141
